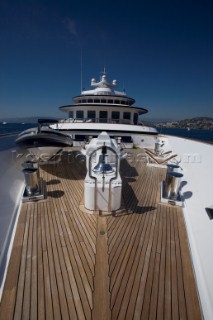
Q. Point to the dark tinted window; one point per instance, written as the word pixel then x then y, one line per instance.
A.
pixel 79 114
pixel 115 114
pixel 103 116
pixel 91 114
pixel 70 114
pixel 127 115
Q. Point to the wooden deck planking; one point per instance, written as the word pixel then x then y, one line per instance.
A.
pixel 21 280
pixel 142 267
pixel 40 271
pixel 132 263
pixel 62 268
pixel 181 293
pixel 80 286
pixel 175 307
pixel 34 280
pixel 156 272
pixel 132 225
pixel 79 242
pixel 59 255
pixel 161 249
pixel 81 221
pixel 101 308
pixel 77 221
pixel 123 226
pixel 144 307
pixel 28 267
pixel 54 277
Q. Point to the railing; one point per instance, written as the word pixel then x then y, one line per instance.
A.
pixel 96 120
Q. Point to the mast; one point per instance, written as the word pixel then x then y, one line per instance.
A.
pixel 81 71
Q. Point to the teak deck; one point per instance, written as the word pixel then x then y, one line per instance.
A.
pixel 67 264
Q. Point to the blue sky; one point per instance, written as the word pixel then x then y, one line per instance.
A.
pixel 161 52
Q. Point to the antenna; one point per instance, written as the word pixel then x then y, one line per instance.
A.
pixel 103 72
pixel 81 70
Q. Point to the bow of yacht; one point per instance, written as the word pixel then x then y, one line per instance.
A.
pixel 124 228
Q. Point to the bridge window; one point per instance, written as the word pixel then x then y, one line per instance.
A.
pixel 91 114
pixel 115 115
pixel 110 101
pixel 127 115
pixel 79 114
pixel 70 114
pixel 103 116
pixel 97 100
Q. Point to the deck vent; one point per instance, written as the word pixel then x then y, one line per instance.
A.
pixel 209 211
pixel 33 183
pixel 172 185
pixel 170 189
pixel 31 180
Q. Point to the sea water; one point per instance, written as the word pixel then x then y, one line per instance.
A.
pixel 197 134
pixel 15 127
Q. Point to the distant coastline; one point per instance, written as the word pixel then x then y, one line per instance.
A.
pixel 198 123
pixel 205 123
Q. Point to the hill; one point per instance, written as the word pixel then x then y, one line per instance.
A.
pixel 205 123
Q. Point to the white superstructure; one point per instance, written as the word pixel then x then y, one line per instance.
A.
pixel 103 108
